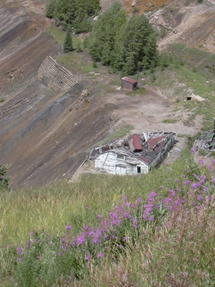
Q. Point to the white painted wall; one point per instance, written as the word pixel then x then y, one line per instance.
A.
pixel 108 162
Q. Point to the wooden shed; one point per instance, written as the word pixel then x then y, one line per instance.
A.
pixel 128 84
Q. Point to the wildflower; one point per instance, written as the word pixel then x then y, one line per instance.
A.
pixel 59 254
pixel 201 161
pixel 50 243
pixel 86 207
pixel 194 185
pixel 20 260
pixel 209 167
pixel 80 239
pixel 100 255
pixel 192 150
pixel 124 239
pixel 199 197
pixel 19 249
pixel 99 216
pixel 68 227
pixel 205 188
pixel 176 180
pixel 38 257
pixel 151 218
pixel 135 226
pixel 28 245
pixel 172 192
pixel 139 199
pixel 31 233
pixel 213 161
pixel 178 189
pixel 87 257
pixel 183 176
pixel 105 236
pixel 213 180
pixel 187 182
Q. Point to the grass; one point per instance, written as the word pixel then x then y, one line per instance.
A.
pixel 59 35
pixel 52 208
pixel 144 258
pixel 2 100
pixel 169 121
pixel 140 91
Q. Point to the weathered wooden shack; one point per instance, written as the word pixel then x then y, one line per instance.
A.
pixel 128 84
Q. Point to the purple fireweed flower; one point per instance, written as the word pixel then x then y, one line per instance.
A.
pixel 201 161
pixel 183 176
pixel 134 226
pixel 31 233
pixel 91 233
pixel 99 216
pixel 192 150
pixel 187 182
pixel 151 218
pixel 194 185
pixel 178 189
pixel 172 192
pixel 105 236
pixel 59 254
pixel 100 255
pixel 38 257
pixel 80 239
pixel 28 245
pixel 86 207
pixel 199 197
pixel 162 187
pixel 85 227
pixel 124 239
pixel 213 180
pixel 176 179
pixel 213 161
pixel 87 257
pixel 139 199
pixel 68 227
pixel 50 243
pixel 19 249
pixel 205 188
pixel 209 167
pixel 20 260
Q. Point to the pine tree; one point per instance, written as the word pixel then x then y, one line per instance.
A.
pixel 67 46
pixel 3 180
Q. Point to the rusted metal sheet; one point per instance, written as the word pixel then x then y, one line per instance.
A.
pixel 135 144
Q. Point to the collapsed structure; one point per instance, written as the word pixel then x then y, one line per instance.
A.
pixel 135 155
pixel 206 142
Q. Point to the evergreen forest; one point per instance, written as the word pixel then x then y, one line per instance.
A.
pixel 125 45
pixel 75 13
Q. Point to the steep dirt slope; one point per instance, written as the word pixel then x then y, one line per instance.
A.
pixel 43 134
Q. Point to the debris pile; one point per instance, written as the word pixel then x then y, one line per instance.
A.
pixel 206 142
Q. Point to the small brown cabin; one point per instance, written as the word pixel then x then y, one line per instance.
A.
pixel 128 84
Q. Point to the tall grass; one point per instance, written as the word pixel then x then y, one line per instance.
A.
pixel 52 207
pixel 162 238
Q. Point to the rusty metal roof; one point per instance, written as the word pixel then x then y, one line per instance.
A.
pixel 129 80
pixel 136 143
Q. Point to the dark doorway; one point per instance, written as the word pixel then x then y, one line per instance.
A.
pixel 138 169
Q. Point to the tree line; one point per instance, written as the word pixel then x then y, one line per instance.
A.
pixel 125 45
pixel 74 13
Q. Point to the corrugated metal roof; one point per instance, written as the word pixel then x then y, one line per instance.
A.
pixel 129 80
pixel 136 143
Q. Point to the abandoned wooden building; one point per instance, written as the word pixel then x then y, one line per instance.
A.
pixel 128 84
pixel 134 155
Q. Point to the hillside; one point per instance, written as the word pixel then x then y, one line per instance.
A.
pixel 46 135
